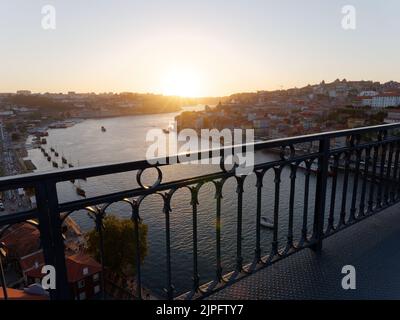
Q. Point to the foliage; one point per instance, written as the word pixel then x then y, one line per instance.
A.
pixel 41 102
pixel 15 136
pixel 119 245
pixel 377 118
pixel 9 126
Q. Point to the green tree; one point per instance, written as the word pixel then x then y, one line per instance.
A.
pixel 119 245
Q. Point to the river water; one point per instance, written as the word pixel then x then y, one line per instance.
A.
pixel 85 144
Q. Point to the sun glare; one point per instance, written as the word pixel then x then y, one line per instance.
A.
pixel 181 82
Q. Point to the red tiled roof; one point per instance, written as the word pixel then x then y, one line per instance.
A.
pixel 389 94
pixel 28 262
pixel 14 294
pixel 31 265
pixel 75 266
pixel 22 239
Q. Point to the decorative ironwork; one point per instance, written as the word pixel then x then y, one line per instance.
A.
pixel 357 179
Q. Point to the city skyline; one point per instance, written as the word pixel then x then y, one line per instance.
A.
pixel 187 49
pixel 25 91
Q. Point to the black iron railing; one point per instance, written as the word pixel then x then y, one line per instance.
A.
pixel 349 182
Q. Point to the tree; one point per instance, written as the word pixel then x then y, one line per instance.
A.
pixel 15 136
pixel 10 126
pixel 119 245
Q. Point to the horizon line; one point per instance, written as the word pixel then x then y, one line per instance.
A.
pixel 190 97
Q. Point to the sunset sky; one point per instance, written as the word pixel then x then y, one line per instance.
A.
pixel 194 48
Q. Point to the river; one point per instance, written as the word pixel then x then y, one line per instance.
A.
pixel 85 144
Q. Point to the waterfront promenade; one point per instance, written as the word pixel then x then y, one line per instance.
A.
pixel 372 247
pixel 10 166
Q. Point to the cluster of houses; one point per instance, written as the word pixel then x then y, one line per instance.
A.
pixel 85 105
pixel 274 114
pixel 23 260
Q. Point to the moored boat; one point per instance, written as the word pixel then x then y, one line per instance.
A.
pixel 266 223
pixel 80 192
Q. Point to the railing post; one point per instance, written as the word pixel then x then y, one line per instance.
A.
pixel 320 194
pixel 51 237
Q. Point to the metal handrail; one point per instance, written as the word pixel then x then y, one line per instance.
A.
pixel 378 188
pixel 95 170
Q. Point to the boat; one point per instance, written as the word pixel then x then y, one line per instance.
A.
pixel 41 133
pixel 55 164
pixel 266 223
pixel 59 125
pixel 103 129
pixel 314 168
pixel 80 192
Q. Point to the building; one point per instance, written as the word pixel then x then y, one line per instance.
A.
pixel 25 255
pixel 366 101
pixel 393 116
pixel 386 100
pixel 6 114
pixel 369 93
pixel 83 272
pixel 24 92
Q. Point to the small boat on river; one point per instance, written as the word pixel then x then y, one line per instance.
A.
pixel 266 223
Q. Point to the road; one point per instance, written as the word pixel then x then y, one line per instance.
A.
pixel 12 200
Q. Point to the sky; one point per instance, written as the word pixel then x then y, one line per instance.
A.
pixel 194 48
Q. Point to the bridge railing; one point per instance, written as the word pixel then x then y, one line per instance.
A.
pixel 329 187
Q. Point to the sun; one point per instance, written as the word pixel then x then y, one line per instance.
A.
pixel 180 81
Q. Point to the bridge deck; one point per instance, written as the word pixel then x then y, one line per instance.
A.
pixel 371 246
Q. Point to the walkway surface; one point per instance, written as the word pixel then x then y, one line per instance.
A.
pixel 372 246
